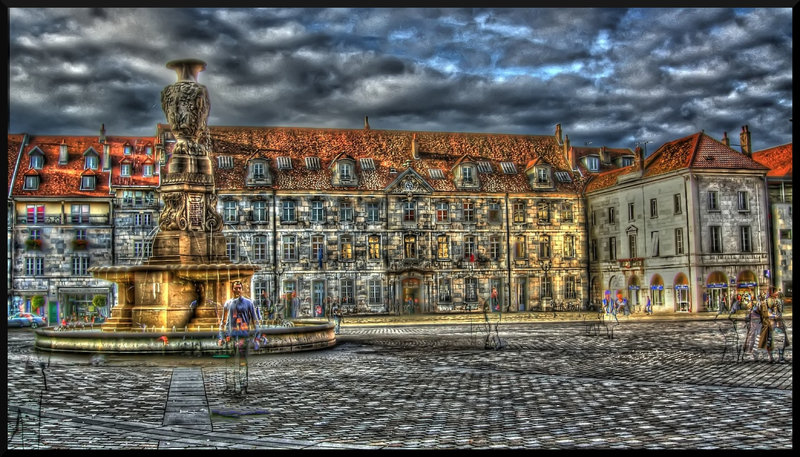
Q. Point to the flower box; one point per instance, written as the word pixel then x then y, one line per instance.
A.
pixel 32 244
pixel 79 244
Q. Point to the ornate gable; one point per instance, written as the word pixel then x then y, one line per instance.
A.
pixel 409 182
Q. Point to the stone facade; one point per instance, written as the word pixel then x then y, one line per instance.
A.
pixel 688 236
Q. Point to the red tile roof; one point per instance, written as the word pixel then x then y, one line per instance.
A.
pixel 697 151
pixel 64 180
pixel 14 144
pixel 137 158
pixel 612 153
pixel 778 159
pixel 388 149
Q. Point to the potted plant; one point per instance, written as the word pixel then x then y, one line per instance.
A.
pixel 79 244
pixel 37 301
pixel 33 244
pixel 98 302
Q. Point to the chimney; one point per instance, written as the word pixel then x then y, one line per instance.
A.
pixel 102 133
pixel 603 155
pixel 639 158
pixel 106 157
pixel 558 133
pixel 744 140
pixel 725 140
pixel 415 148
pixel 569 152
pixel 63 155
pixel 366 122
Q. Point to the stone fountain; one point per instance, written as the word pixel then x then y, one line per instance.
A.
pixel 179 291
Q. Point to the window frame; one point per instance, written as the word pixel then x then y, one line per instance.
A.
pixel 317 211
pixel 715 240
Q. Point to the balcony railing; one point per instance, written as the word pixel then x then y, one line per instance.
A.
pixel 68 220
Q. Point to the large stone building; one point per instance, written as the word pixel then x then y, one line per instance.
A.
pixel 398 221
pixel 687 226
pixel 62 220
pixel 779 182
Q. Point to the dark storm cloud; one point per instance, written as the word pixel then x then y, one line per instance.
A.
pixel 609 76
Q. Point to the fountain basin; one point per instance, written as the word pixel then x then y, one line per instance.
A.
pixel 307 335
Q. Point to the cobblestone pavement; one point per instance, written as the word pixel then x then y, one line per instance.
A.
pixel 655 385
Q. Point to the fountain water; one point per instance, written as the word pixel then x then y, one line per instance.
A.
pixel 188 262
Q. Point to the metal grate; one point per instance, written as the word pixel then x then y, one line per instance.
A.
pixel 224 162
pixel 284 163
pixel 508 168
pixel 367 164
pixel 563 176
pixel 436 173
pixel 312 163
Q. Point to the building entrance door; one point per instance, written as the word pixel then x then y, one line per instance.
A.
pixel 318 298
pixel 411 295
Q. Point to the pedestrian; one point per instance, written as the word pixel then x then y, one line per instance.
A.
pixel 723 306
pixel 625 308
pixel 337 318
pixel 605 306
pixel 238 314
pixel 295 304
pixel 753 325
pixel 780 336
pixel 765 335
pixel 648 308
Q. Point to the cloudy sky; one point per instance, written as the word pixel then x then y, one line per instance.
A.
pixel 611 77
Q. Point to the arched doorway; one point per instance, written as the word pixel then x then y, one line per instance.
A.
pixel 616 286
pixel 716 288
pixel 657 290
pixel 634 298
pixel 411 295
pixel 746 283
pixel 681 293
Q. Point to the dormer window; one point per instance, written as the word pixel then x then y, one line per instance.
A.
pixel 626 161
pixel 127 149
pixel 125 169
pixel 592 163
pixel 258 173
pixel 259 170
pixel 345 171
pixel 37 160
pixel 468 174
pixel 148 150
pixel 91 162
pixel 542 175
pixel 88 182
pixel 31 182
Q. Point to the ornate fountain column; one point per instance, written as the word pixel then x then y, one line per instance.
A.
pixel 189 249
pixel 189 225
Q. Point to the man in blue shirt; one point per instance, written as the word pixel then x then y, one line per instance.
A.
pixel 238 314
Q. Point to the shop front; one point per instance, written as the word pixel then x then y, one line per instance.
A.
pixel 747 284
pixel 716 291
pixel 682 293
pixel 634 294
pixel 657 291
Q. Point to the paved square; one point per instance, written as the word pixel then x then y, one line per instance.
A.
pixel 655 385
